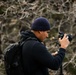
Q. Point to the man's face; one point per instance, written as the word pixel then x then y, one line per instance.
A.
pixel 43 35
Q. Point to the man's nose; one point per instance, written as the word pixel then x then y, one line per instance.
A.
pixel 47 35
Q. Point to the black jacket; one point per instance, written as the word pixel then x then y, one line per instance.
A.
pixel 36 58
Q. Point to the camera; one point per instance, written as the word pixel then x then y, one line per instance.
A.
pixel 61 35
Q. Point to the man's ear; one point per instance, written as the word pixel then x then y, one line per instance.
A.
pixel 40 32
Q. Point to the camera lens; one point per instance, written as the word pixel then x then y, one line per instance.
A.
pixel 70 37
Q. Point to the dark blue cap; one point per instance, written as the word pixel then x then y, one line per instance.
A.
pixel 40 24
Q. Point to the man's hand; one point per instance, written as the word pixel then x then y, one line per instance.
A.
pixel 54 53
pixel 64 42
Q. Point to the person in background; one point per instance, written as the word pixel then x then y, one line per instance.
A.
pixel 36 58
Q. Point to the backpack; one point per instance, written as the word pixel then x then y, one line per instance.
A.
pixel 13 59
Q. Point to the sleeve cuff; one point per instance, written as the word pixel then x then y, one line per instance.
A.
pixel 62 49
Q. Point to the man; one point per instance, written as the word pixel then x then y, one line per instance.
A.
pixel 36 58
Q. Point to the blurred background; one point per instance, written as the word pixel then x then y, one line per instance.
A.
pixel 17 15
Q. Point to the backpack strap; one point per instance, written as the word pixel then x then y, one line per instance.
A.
pixel 22 41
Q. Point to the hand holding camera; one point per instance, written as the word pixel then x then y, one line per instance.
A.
pixel 64 40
